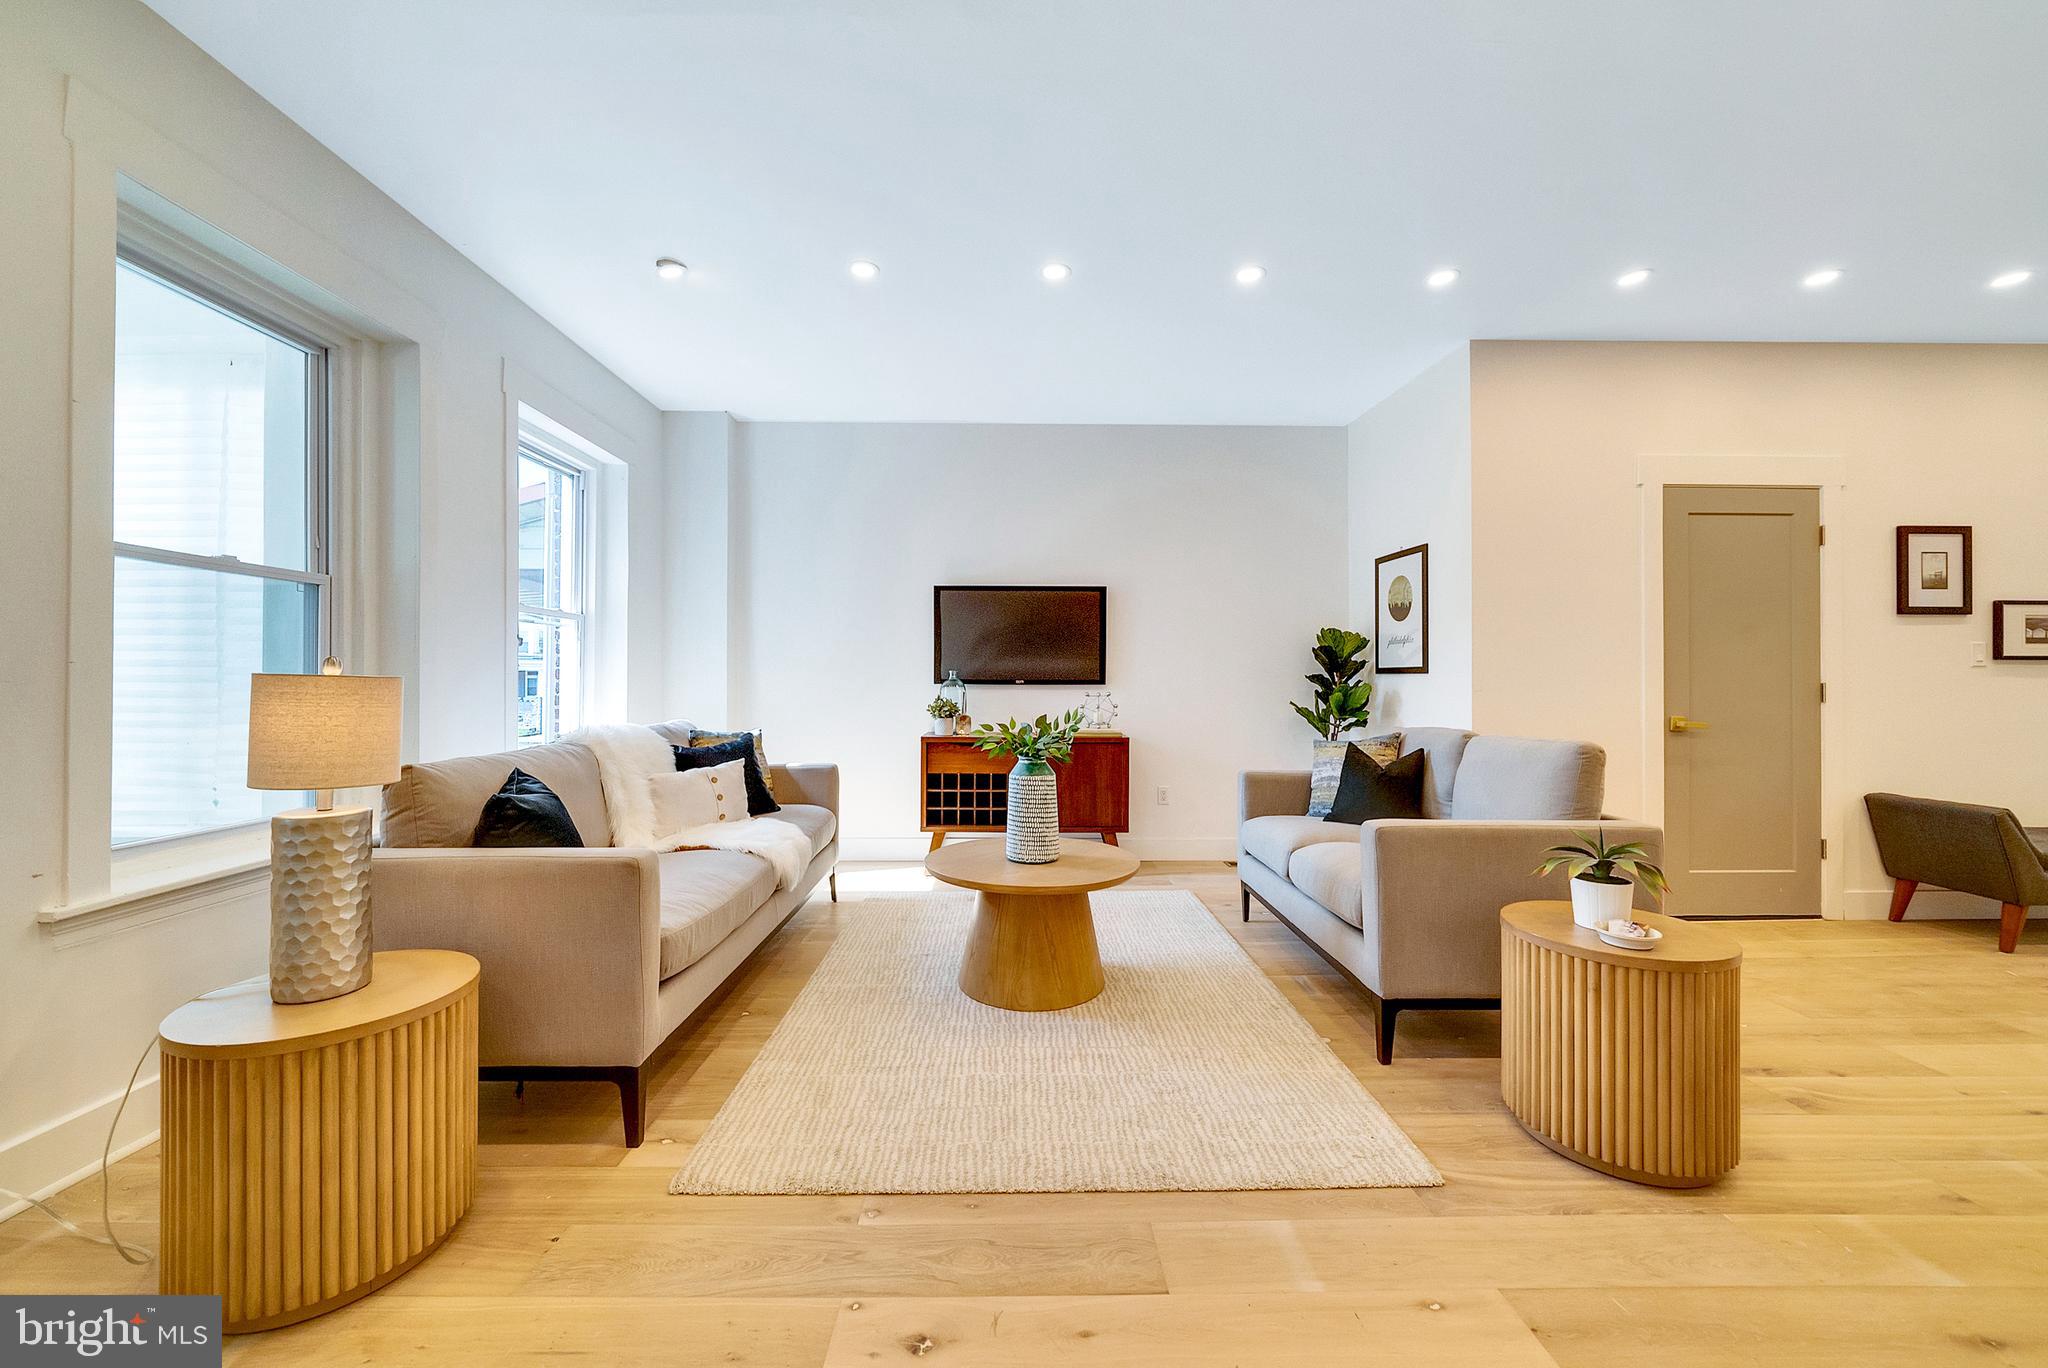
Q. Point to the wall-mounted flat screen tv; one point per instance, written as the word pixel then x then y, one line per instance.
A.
pixel 1016 634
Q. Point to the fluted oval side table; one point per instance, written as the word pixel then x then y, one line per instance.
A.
pixel 1627 1061
pixel 313 1152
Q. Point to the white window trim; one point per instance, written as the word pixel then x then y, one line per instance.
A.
pixel 128 176
pixel 540 416
pixel 550 450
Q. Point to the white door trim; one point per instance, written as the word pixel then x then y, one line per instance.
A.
pixel 1829 475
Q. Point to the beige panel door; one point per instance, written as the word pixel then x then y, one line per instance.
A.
pixel 1742 700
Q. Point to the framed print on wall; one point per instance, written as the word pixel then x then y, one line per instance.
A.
pixel 1401 632
pixel 2019 629
pixel 1934 571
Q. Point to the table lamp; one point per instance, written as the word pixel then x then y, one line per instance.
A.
pixel 321 732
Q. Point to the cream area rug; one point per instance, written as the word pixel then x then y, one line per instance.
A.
pixel 1189 1073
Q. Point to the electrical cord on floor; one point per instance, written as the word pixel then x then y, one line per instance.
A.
pixel 134 1254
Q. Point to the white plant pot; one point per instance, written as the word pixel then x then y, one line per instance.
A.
pixel 942 726
pixel 1596 904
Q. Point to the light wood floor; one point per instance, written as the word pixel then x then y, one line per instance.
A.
pixel 1891 1209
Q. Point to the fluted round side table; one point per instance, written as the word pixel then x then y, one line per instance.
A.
pixel 1628 1061
pixel 313 1152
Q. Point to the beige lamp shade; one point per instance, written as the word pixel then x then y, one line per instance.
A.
pixel 323 731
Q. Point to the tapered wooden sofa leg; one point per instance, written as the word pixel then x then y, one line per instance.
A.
pixel 1244 893
pixel 633 1103
pixel 832 882
pixel 2011 917
pixel 1902 893
pixel 1383 1014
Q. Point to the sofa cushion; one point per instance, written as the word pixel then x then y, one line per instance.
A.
pixel 1443 748
pixel 818 823
pixel 1519 778
pixel 705 895
pixel 1273 840
pixel 525 812
pixel 1371 791
pixel 1330 874
pixel 438 802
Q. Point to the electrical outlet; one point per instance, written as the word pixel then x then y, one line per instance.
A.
pixel 1976 653
pixel 1159 795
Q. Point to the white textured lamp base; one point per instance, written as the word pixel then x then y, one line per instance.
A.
pixel 319 903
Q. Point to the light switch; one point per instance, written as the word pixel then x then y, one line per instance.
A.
pixel 1976 654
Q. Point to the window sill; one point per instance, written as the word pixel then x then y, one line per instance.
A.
pixel 165 896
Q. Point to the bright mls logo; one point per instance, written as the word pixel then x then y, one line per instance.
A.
pixel 169 1331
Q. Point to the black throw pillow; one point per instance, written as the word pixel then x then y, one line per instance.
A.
pixel 1368 790
pixel 525 812
pixel 759 799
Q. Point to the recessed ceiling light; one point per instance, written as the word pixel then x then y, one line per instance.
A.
pixel 1628 280
pixel 1441 280
pixel 1250 274
pixel 2010 279
pixel 668 268
pixel 864 270
pixel 1821 279
pixel 1055 271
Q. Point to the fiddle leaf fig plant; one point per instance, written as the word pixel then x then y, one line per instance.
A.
pixel 1595 861
pixel 1045 739
pixel 1342 700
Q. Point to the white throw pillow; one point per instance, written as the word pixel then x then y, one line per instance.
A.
pixel 699 797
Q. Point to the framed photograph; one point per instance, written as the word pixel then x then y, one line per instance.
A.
pixel 1401 634
pixel 1934 571
pixel 2019 629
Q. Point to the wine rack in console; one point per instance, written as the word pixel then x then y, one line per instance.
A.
pixel 962 788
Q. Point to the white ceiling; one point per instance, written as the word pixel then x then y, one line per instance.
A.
pixel 1540 146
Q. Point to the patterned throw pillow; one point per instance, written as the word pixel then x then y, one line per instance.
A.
pixel 709 738
pixel 1327 767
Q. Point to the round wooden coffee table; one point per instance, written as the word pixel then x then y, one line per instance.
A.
pixel 1032 948
pixel 1628 1061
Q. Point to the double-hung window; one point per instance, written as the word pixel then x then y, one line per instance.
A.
pixel 220 542
pixel 554 522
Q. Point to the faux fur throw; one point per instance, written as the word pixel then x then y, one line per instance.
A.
pixel 628 756
pixel 782 844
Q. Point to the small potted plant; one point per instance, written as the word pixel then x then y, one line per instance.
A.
pixel 1031 829
pixel 943 711
pixel 1602 876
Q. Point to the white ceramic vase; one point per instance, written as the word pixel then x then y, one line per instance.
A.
pixel 1596 904
pixel 942 726
pixel 1031 830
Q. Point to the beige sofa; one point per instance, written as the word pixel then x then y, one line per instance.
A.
pixel 1409 910
pixel 592 958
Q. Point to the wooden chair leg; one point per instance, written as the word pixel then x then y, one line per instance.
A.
pixel 2011 917
pixel 1902 893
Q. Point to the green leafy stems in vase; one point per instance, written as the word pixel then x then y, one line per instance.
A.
pixel 1342 700
pixel 1595 861
pixel 1046 739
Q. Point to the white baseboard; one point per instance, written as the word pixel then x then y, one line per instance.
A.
pixel 914 848
pixel 70 1145
pixel 1929 904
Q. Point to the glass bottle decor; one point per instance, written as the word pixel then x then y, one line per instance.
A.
pixel 954 690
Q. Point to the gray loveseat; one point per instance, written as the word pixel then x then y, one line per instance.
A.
pixel 1409 910
pixel 591 958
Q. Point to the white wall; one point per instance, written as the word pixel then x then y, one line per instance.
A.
pixel 76 1011
pixel 1411 483
pixel 1922 434
pixel 1223 548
